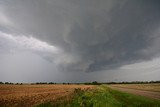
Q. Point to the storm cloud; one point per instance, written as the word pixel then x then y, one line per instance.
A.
pixel 81 37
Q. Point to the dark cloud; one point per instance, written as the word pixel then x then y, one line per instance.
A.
pixel 92 35
pixel 113 43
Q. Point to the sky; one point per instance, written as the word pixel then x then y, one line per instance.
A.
pixel 79 40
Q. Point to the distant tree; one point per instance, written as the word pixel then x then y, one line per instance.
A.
pixel 6 82
pixel 87 83
pixel 96 83
pixel 51 83
pixel 93 83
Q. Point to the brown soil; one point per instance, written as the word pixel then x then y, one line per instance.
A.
pixel 30 95
pixel 150 94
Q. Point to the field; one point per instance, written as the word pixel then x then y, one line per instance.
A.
pixel 29 95
pixel 77 95
pixel 147 87
pixel 147 90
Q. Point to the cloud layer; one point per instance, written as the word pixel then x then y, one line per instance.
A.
pixel 82 36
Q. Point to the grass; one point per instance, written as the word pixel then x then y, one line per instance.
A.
pixel 103 96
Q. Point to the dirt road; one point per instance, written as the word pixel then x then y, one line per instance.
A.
pixel 150 94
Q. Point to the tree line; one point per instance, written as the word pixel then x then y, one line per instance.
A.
pixel 86 83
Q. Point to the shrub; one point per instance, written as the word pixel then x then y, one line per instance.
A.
pixel 1 83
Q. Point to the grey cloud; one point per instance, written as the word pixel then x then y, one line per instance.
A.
pixel 118 41
pixel 104 34
pixel 93 35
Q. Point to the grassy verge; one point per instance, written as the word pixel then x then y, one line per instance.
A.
pixel 103 96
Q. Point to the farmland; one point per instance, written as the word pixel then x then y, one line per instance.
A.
pixel 29 95
pixel 104 96
pixel 60 95
pixel 147 90
pixel 147 87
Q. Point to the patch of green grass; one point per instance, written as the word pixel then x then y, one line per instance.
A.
pixel 106 97
pixel 103 96
pixel 131 100
pixel 99 97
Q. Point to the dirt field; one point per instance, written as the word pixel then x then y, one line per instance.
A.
pixel 29 95
pixel 148 90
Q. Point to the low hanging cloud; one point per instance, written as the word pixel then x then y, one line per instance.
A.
pixel 28 43
pixel 85 35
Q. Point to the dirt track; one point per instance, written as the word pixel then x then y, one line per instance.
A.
pixel 150 94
